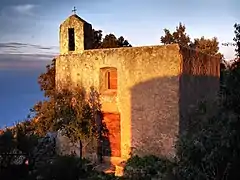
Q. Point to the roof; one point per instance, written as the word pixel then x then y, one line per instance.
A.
pixel 75 17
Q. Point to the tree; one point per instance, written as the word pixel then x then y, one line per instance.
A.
pixel 97 39
pixel 232 76
pixel 110 41
pixel 212 151
pixel 75 117
pixel 44 111
pixel 237 39
pixel 16 147
pixel 208 46
pixel 44 118
pixel 123 42
pixel 47 80
pixel 179 36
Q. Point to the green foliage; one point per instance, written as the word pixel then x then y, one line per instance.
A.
pixel 44 111
pixel 65 167
pixel 97 39
pixel 18 138
pixel 44 119
pixel 110 41
pixel 75 115
pixel 179 36
pixel 210 152
pixel 208 46
pixel 47 80
pixel 231 88
pixel 71 168
pixel 6 142
pixel 25 140
pixel 147 167
pixel 15 142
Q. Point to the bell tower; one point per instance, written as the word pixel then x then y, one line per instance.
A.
pixel 75 35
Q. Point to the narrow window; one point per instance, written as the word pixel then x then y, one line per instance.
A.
pixel 108 80
pixel 112 79
pixel 71 39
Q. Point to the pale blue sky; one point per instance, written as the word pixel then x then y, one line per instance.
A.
pixel 140 21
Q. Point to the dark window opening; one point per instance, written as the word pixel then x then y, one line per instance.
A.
pixel 108 80
pixel 71 39
pixel 111 79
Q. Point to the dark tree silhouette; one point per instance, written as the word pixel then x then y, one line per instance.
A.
pixel 237 39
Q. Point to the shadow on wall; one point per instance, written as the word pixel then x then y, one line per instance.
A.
pixel 160 107
pixel 103 140
pixel 103 146
pixel 196 91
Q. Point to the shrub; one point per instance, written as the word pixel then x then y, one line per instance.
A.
pixel 147 167
pixel 64 167
pixel 70 168
pixel 213 151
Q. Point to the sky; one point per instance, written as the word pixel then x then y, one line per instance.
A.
pixel 33 25
pixel 29 32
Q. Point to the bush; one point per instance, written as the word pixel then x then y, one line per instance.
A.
pixel 70 168
pixel 213 151
pixel 147 167
pixel 16 146
pixel 64 167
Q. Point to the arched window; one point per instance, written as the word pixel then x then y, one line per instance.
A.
pixel 108 79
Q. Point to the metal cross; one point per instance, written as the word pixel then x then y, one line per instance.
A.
pixel 74 10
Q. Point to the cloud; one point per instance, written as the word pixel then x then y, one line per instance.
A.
pixel 24 56
pixel 25 9
pixel 18 44
pixel 24 61
pixel 25 48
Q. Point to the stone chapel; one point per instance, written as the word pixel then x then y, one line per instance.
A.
pixel 147 93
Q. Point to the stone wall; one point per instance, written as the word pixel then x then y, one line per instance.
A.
pixel 152 93
pixel 199 83
pixel 147 94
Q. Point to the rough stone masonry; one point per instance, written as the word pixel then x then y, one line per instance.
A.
pixel 147 93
